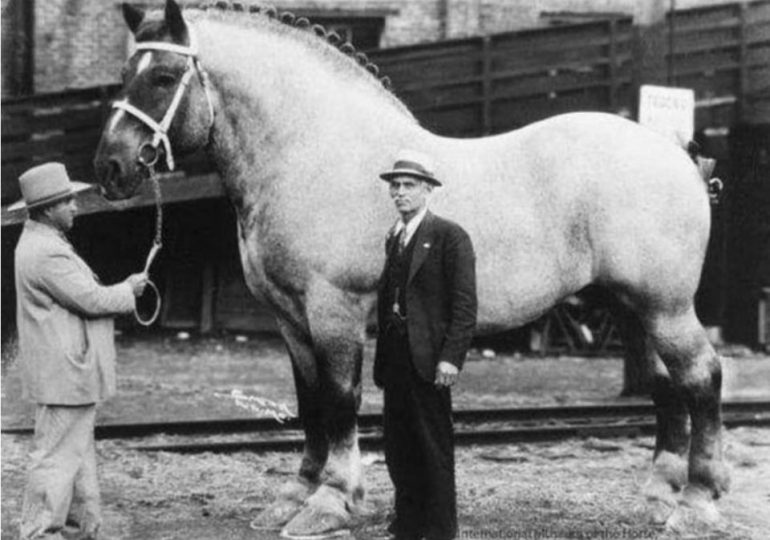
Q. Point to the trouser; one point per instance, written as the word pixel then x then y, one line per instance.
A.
pixel 419 448
pixel 61 478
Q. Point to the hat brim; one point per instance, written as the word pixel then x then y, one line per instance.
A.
pixel 388 176
pixel 76 187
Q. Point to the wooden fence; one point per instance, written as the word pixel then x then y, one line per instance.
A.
pixel 485 85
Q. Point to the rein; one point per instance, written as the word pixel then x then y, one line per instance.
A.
pixel 148 151
pixel 157 244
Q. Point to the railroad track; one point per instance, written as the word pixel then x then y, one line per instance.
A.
pixel 482 426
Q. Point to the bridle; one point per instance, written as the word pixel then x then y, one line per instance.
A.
pixel 148 152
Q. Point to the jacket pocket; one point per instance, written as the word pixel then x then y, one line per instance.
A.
pixel 72 336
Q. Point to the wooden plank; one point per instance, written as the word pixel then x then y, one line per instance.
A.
pixel 525 111
pixel 706 42
pixel 555 45
pixel 54 144
pixel 542 60
pixel 424 52
pixel 758 33
pixel 175 187
pixel 68 120
pixel 703 16
pixel 62 98
pixel 553 84
pixel 422 86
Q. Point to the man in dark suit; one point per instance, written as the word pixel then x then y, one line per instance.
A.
pixel 426 317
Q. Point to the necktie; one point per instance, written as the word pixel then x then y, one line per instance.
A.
pixel 402 241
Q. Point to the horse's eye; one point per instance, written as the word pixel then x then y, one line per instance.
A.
pixel 163 79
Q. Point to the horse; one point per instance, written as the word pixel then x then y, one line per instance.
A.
pixel 298 126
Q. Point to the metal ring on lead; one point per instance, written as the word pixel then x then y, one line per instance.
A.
pixel 156 311
pixel 151 150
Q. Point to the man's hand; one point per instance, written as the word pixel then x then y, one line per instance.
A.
pixel 446 374
pixel 137 282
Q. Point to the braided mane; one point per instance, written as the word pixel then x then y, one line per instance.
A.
pixel 302 23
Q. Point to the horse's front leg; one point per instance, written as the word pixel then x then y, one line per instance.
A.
pixel 337 323
pixel 293 493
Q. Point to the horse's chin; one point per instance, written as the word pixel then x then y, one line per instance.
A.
pixel 113 193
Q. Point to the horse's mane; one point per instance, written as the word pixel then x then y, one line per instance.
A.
pixel 284 21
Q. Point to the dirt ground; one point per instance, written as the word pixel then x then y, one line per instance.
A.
pixel 579 488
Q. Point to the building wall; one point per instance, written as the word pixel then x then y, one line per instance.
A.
pixel 81 43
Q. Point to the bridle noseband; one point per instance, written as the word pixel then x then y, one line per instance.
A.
pixel 148 152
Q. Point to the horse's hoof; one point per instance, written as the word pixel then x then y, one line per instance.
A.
pixel 290 500
pixel 696 514
pixel 672 469
pixel 661 499
pixel 325 515
pixel 275 516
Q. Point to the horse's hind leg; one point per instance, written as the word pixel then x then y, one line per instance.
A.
pixel 695 377
pixel 293 493
pixel 672 438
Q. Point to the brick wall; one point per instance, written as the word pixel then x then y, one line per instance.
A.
pixel 81 43
pixel 78 43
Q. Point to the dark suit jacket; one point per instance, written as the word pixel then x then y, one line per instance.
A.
pixel 440 298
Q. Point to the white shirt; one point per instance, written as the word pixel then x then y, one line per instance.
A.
pixel 411 227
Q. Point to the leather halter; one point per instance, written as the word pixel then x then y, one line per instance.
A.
pixel 160 129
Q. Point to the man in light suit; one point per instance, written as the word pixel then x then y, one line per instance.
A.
pixel 426 317
pixel 66 354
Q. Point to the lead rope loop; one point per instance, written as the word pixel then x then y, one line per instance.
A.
pixel 157 244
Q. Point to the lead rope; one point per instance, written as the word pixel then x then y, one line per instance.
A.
pixel 157 244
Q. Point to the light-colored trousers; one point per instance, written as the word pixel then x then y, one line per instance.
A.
pixel 61 478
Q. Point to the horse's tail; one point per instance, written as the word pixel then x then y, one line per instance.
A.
pixel 706 170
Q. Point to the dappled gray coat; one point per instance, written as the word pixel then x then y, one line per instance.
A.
pixel 65 321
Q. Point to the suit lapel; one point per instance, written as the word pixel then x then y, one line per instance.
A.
pixel 423 237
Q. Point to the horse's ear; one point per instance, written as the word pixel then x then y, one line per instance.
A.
pixel 175 21
pixel 133 16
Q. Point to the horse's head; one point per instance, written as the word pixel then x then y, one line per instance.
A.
pixel 164 108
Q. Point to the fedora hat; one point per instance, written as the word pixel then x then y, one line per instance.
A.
pixel 46 184
pixel 414 164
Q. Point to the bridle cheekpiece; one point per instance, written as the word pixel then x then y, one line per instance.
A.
pixel 160 129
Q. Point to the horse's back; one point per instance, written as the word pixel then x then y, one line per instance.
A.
pixel 575 199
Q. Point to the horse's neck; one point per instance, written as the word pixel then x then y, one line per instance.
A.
pixel 284 113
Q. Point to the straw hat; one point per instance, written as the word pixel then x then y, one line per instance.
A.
pixel 414 164
pixel 46 184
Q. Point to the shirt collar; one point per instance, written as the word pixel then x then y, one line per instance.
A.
pixel 412 226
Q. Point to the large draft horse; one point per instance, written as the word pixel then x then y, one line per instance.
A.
pixel 299 127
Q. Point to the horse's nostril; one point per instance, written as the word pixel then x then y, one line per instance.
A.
pixel 114 171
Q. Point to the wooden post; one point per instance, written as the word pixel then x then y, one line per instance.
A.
pixel 486 85
pixel 612 53
pixel 743 81
pixel 207 298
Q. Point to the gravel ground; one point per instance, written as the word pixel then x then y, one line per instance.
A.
pixel 580 488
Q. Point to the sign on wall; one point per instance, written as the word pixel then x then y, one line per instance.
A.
pixel 669 111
